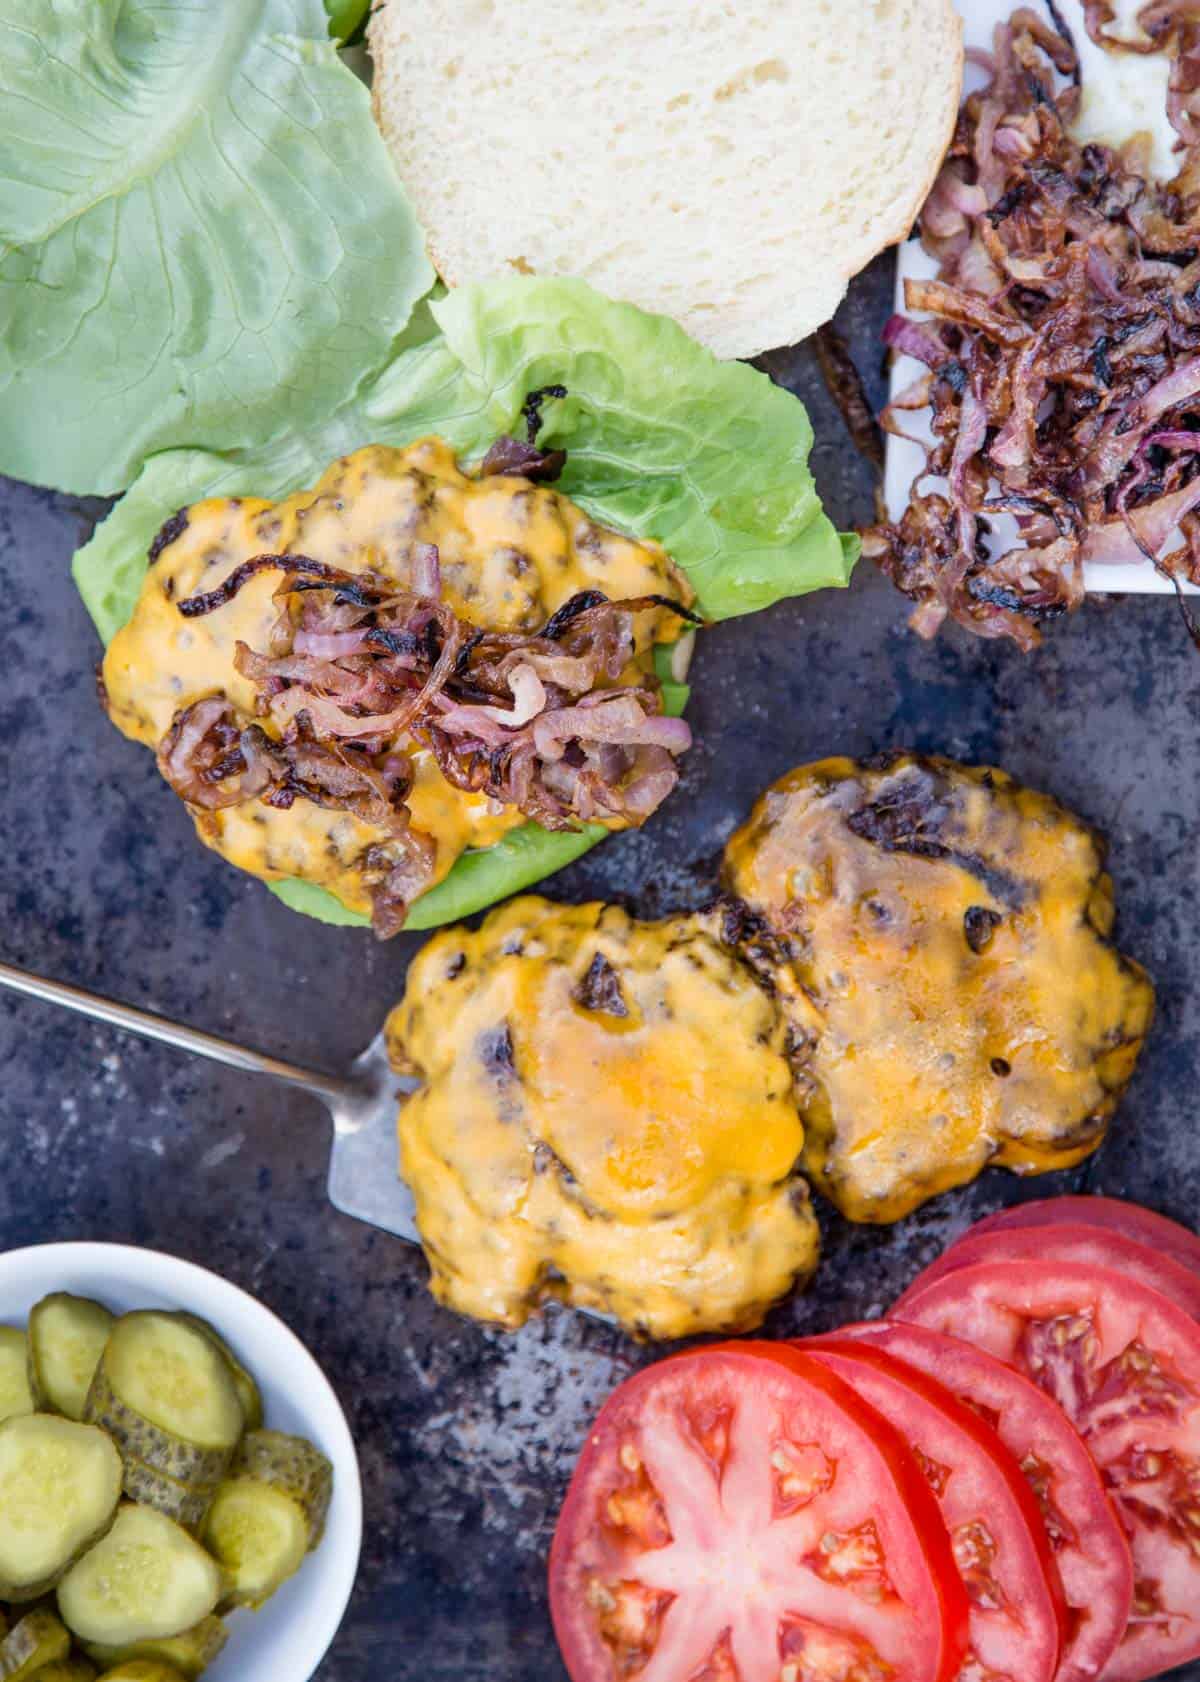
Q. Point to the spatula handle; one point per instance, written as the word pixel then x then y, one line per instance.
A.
pixel 330 1088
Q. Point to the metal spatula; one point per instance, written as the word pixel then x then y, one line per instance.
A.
pixel 363 1177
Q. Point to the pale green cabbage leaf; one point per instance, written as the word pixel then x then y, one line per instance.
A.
pixel 203 241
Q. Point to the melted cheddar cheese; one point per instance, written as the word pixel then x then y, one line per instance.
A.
pixel 606 1114
pixel 511 553
pixel 949 971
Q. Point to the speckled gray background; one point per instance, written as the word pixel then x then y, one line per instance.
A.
pixel 467 1435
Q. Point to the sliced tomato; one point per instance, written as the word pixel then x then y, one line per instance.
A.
pixel 1144 1226
pixel 1124 1365
pixel 1018 1609
pixel 739 1514
pixel 1089 1542
pixel 1072 1241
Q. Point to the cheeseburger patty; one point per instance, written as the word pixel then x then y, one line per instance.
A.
pixel 219 663
pixel 606 1115
pixel 946 957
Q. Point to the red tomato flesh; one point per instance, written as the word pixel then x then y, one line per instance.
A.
pixel 1124 1365
pixel 1144 1226
pixel 738 1514
pixel 1018 1609
pixel 1069 1241
pixel 1088 1541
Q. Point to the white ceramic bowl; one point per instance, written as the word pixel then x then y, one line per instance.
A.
pixel 290 1635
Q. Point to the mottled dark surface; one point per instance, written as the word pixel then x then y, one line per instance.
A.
pixel 467 1436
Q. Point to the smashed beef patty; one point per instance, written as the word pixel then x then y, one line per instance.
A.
pixel 606 1116
pixel 946 957
pixel 511 553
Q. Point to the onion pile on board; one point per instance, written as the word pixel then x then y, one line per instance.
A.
pixel 1061 342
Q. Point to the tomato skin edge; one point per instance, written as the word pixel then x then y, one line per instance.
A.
pixel 1130 1663
pixel 1090 1660
pixel 985 1439
pixel 920 1503
pixel 1044 1242
pixel 1110 1214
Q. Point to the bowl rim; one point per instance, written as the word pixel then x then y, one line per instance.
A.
pixel 162 1267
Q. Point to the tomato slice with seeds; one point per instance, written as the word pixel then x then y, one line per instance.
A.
pixel 1144 1226
pixel 1089 1543
pixel 739 1514
pixel 1018 1609
pixel 1072 1241
pixel 1124 1365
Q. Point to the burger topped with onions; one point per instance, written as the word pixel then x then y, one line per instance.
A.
pixel 403 686
pixel 354 686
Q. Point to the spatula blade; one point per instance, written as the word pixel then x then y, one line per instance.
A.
pixel 364 1167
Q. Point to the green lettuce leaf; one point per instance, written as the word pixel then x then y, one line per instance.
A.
pixel 663 441
pixel 347 19
pixel 202 239
pixel 708 458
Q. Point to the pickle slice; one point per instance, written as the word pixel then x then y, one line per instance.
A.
pixel 249 1394
pixel 293 1466
pixel 37 1640
pixel 59 1487
pixel 186 1504
pixel 146 1580
pixel 189 1653
pixel 15 1396
pixel 66 1339
pixel 166 1393
pixel 73 1669
pixel 141 1670
pixel 259 1536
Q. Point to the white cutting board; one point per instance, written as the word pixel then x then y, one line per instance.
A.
pixel 1122 94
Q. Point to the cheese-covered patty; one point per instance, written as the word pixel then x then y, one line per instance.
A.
pixel 949 966
pixel 606 1114
pixel 510 552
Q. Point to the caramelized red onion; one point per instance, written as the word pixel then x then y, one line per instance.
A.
pixel 514 459
pixel 845 386
pixel 211 758
pixel 1062 344
pixel 360 672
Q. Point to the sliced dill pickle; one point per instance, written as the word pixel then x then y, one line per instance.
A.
pixel 293 1466
pixel 189 1653
pixel 66 1338
pixel 248 1392
pixel 145 1581
pixel 35 1641
pixel 186 1504
pixel 43 1461
pixel 259 1537
pixel 141 1670
pixel 15 1395
pixel 166 1393
pixel 73 1669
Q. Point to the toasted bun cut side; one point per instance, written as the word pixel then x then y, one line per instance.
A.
pixel 731 166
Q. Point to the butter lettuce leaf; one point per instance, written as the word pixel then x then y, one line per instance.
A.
pixel 203 242
pixel 663 441
pixel 708 458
